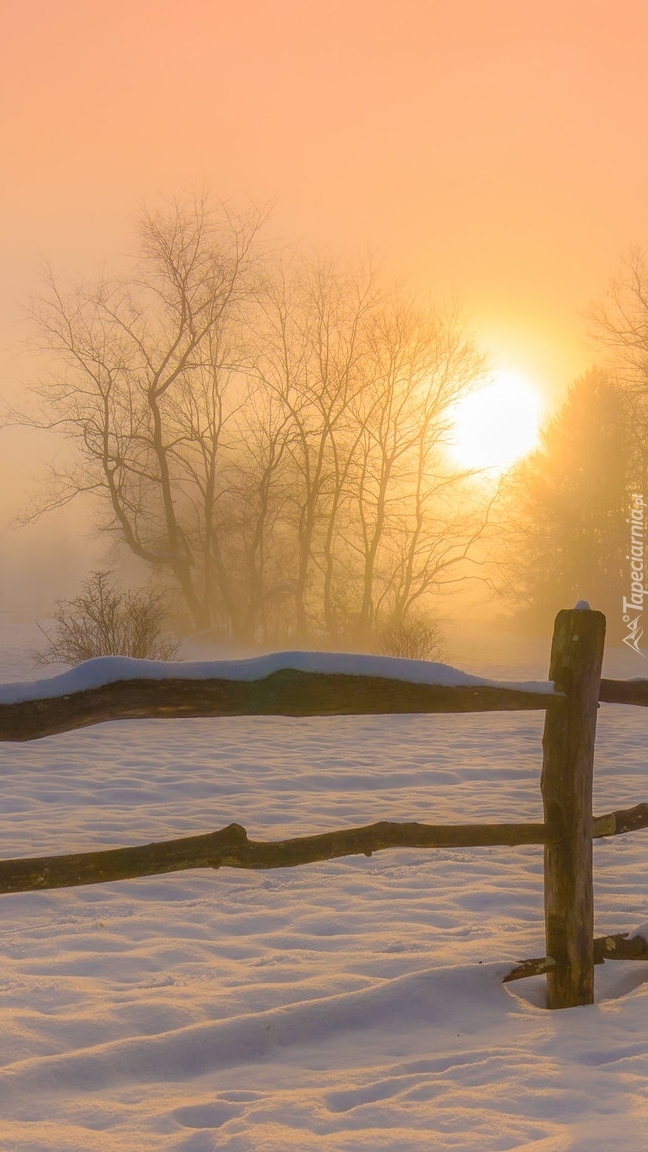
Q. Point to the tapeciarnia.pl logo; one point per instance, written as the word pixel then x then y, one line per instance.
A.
pixel 631 617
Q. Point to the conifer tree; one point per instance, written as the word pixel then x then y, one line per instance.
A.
pixel 566 505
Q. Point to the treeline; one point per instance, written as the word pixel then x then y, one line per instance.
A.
pixel 269 435
pixel 266 432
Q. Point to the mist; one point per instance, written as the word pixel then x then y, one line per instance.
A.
pixel 486 161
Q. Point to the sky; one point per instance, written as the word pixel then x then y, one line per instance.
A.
pixel 491 150
pixel 488 148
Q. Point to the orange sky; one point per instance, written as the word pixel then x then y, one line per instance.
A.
pixel 495 148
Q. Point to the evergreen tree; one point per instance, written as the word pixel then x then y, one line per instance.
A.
pixel 566 534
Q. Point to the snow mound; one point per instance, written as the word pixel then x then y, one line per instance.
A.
pixel 107 669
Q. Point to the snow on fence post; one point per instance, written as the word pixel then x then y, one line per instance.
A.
pixel 567 771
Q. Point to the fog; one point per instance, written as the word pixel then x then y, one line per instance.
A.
pixel 485 157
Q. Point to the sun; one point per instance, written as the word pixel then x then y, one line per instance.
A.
pixel 498 425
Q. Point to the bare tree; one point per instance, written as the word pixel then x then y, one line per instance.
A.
pixel 270 435
pixel 366 383
pixel 412 534
pixel 619 328
pixel 254 496
pixel 144 367
pixel 620 322
pixel 310 367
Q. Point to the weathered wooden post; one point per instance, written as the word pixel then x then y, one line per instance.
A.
pixel 567 771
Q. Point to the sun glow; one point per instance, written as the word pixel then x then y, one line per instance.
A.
pixel 497 425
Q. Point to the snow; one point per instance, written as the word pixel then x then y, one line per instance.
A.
pixel 105 669
pixel 641 930
pixel 349 1005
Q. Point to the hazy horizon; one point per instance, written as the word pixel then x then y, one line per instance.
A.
pixel 488 152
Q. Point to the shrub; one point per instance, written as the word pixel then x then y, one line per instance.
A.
pixel 412 638
pixel 106 620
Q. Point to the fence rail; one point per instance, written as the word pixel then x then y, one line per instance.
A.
pixel 231 848
pixel 566 784
pixel 284 693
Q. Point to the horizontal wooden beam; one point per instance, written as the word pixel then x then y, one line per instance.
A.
pixel 623 820
pixel 231 848
pixel 624 692
pixel 284 693
pixel 619 947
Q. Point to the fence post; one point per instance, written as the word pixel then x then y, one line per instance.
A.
pixel 567 771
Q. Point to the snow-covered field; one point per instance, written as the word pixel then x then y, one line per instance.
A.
pixel 350 1005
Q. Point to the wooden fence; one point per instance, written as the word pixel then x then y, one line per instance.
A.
pixel 566 784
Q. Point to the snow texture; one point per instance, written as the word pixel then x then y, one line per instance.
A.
pixel 347 1006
